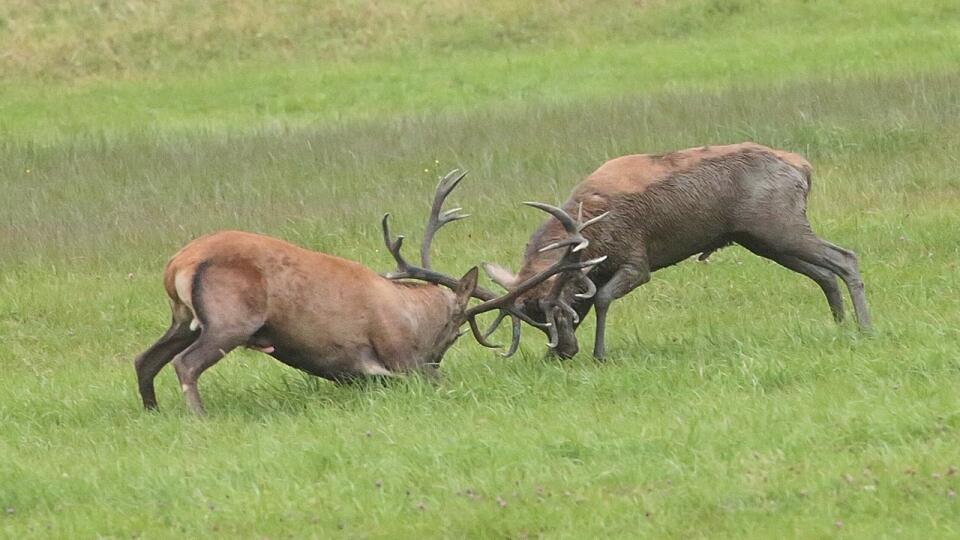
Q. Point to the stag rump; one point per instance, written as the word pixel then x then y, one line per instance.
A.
pixel 666 208
pixel 327 316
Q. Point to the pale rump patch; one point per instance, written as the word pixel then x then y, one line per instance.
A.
pixel 183 283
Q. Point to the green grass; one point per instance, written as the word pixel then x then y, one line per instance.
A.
pixel 731 407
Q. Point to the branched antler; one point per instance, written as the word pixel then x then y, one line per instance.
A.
pixel 438 219
pixel 568 263
pixel 573 228
pixel 404 269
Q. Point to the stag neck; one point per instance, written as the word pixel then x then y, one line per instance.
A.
pixel 425 301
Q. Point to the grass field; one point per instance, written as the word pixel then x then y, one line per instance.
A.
pixel 731 406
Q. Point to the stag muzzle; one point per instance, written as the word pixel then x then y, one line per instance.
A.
pixel 561 328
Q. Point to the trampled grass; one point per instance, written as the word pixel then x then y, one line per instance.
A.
pixel 731 407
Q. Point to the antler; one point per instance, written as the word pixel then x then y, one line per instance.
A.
pixel 568 265
pixel 573 228
pixel 436 219
pixel 565 264
pixel 406 270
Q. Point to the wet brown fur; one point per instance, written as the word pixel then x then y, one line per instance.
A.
pixel 666 208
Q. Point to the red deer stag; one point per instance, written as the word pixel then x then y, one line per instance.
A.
pixel 665 208
pixel 327 316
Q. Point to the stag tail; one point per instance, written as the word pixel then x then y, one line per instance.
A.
pixel 199 318
pixel 184 287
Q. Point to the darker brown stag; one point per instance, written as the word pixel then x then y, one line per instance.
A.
pixel 665 208
pixel 327 316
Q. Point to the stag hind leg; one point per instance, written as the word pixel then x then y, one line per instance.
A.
pixel 206 351
pixel 796 242
pixel 842 262
pixel 177 338
pixel 230 304
pixel 826 279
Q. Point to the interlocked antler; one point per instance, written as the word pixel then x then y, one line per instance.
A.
pixel 435 221
pixel 568 263
pixel 569 266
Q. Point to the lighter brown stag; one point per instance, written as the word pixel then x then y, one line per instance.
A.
pixel 665 208
pixel 322 314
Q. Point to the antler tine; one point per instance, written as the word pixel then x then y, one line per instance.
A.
pixel 404 270
pixel 516 317
pixel 481 339
pixel 450 181
pixel 496 323
pixel 562 216
pixel 570 311
pixel 514 335
pixel 591 289
pixel 572 227
pixel 552 320
pixel 515 338
pixel 592 220
pixel 438 219
pixel 393 246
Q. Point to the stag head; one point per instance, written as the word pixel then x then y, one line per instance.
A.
pixel 562 300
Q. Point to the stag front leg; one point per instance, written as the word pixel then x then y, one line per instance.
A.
pixel 627 278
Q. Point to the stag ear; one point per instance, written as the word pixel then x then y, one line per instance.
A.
pixel 466 286
pixel 500 275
